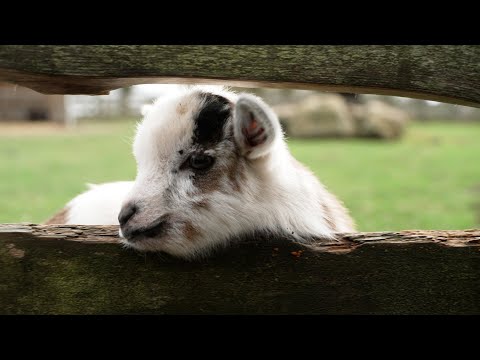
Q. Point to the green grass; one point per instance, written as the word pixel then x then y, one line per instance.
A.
pixel 428 180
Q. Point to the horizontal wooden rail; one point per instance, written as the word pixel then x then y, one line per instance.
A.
pixel 63 269
pixel 443 73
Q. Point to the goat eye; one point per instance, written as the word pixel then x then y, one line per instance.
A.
pixel 201 161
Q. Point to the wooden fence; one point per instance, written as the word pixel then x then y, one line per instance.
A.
pixel 82 270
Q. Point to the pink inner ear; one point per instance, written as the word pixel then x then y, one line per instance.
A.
pixel 253 123
pixel 254 134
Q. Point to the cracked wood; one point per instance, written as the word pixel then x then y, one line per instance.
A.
pixel 108 234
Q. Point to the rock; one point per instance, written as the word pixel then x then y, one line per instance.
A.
pixel 317 115
pixel 329 115
pixel 379 120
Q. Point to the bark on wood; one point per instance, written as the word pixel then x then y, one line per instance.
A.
pixel 64 269
pixel 443 73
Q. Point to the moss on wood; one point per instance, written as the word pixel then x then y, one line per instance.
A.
pixel 449 73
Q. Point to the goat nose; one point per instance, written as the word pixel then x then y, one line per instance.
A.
pixel 128 210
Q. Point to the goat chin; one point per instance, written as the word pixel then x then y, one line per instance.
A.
pixel 211 166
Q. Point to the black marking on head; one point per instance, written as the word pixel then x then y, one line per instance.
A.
pixel 180 152
pixel 211 119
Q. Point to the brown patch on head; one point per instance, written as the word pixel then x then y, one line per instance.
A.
pixel 236 168
pixel 232 173
pixel 58 218
pixel 209 181
pixel 190 232
pixel 236 173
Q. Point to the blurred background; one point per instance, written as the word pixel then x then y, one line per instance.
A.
pixel 396 163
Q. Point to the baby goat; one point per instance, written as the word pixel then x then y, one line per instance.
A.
pixel 211 166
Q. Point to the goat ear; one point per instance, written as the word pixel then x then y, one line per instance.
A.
pixel 255 126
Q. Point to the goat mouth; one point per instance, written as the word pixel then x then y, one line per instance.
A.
pixel 156 229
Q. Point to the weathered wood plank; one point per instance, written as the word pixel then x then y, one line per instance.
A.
pixel 108 234
pixel 448 73
pixel 59 269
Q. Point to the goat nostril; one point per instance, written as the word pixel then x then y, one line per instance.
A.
pixel 126 213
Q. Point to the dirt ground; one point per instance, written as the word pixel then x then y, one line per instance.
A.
pixel 19 129
pixel 31 128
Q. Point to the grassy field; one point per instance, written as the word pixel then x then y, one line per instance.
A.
pixel 429 180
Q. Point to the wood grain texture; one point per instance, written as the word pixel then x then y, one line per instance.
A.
pixel 449 73
pixel 63 269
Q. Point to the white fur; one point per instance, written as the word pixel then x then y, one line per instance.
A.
pixel 277 195
pixel 99 205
